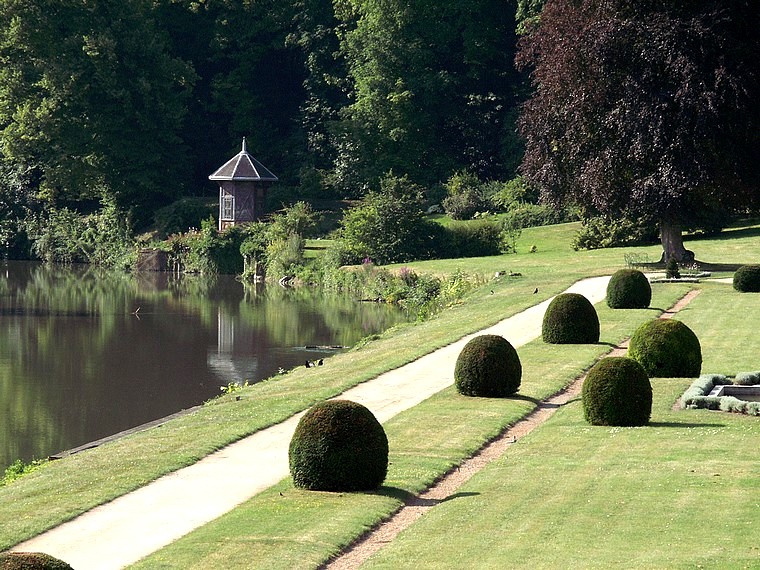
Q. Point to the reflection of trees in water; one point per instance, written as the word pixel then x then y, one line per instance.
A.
pixel 301 316
pixel 76 364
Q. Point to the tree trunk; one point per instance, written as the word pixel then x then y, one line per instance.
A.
pixel 672 244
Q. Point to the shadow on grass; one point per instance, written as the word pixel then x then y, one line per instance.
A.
pixel 683 425
pixel 726 234
pixel 703 266
pixel 542 403
pixel 524 398
pixel 411 499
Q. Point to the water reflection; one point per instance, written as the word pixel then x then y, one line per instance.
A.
pixel 84 353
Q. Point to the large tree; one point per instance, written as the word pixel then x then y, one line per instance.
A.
pixel 645 108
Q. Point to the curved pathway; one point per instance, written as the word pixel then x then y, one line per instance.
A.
pixel 135 525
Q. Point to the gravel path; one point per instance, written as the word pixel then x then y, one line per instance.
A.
pixel 135 525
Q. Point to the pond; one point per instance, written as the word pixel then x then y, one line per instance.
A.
pixel 85 354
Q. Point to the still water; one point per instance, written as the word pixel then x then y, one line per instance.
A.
pixel 85 354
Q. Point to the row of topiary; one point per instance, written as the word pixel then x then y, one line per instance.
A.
pixel 339 445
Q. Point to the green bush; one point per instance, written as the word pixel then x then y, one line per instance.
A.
pixel 103 237
pixel 338 445
pixel 504 196
pixel 671 269
pixel 388 226
pixel 488 366
pixel 747 279
pixel 747 378
pixel 208 251
pixel 629 289
pixel 524 215
pixel 617 392
pixel 31 561
pixel 666 348
pixel 470 239
pixel 604 231
pixel 465 196
pixel 570 319
pixel 184 214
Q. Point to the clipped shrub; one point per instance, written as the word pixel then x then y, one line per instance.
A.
pixel 338 445
pixel 629 289
pixel 747 378
pixel 617 392
pixel 700 388
pixel 488 366
pixel 671 269
pixel 31 561
pixel 666 348
pixel 470 239
pixel 747 279
pixel 570 319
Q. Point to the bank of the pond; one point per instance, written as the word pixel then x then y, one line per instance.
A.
pixel 167 509
pixel 86 353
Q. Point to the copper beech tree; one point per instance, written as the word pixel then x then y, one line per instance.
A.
pixel 646 108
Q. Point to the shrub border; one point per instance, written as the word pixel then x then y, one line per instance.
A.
pixel 696 397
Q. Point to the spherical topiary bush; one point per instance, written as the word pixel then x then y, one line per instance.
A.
pixel 629 289
pixel 488 366
pixel 747 279
pixel 570 319
pixel 617 392
pixel 338 446
pixel 31 561
pixel 666 348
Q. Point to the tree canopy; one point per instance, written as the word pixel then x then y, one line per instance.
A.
pixel 90 97
pixel 646 107
pixel 138 100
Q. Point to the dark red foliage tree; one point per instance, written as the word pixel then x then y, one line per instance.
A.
pixel 649 107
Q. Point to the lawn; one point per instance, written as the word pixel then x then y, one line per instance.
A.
pixel 682 492
pixel 285 527
pixel 65 488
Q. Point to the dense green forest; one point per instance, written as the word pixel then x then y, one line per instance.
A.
pixel 638 117
pixel 135 102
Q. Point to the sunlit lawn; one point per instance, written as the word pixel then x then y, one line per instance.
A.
pixel 683 492
pixel 300 529
pixel 68 487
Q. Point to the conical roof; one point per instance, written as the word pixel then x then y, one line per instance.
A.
pixel 243 167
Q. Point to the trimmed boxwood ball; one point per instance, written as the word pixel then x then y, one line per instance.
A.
pixel 570 319
pixel 31 561
pixel 338 445
pixel 629 289
pixel 747 279
pixel 666 348
pixel 488 366
pixel 617 392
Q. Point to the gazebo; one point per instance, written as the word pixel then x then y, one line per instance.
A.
pixel 243 183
